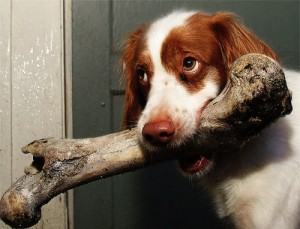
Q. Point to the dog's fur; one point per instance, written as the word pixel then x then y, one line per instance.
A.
pixel 257 188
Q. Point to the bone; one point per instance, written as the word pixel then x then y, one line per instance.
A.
pixel 255 96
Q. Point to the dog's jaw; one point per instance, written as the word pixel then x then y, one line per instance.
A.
pixel 198 165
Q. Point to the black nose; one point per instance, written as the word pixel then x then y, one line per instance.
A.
pixel 158 133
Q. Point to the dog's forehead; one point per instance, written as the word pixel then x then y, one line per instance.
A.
pixel 159 30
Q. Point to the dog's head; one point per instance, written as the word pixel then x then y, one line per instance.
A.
pixel 174 67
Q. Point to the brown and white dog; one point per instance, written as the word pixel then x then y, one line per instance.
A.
pixel 174 67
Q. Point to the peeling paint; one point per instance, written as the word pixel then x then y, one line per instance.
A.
pixel 31 103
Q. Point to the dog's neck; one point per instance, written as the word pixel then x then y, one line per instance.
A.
pixel 234 170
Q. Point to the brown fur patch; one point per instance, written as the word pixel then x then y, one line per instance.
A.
pixel 194 39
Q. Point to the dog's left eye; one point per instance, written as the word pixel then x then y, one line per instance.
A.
pixel 190 65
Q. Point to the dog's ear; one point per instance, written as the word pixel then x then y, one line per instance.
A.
pixel 236 40
pixel 133 105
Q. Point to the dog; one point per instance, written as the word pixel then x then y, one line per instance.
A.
pixel 173 68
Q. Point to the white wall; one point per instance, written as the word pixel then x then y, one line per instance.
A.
pixel 31 89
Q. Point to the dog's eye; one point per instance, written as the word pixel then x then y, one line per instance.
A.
pixel 142 75
pixel 190 65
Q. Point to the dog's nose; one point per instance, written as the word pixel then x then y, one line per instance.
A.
pixel 158 133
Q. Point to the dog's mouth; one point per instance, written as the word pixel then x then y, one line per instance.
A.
pixel 195 164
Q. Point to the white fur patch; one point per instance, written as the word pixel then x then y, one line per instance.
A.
pixel 160 29
pixel 268 197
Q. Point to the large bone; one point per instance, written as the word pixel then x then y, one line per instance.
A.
pixel 255 96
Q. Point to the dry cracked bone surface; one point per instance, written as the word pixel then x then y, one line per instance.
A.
pixel 255 96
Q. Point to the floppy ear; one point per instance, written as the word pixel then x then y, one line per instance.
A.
pixel 236 40
pixel 133 103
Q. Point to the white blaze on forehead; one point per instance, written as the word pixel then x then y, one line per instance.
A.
pixel 156 35
pixel 160 29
